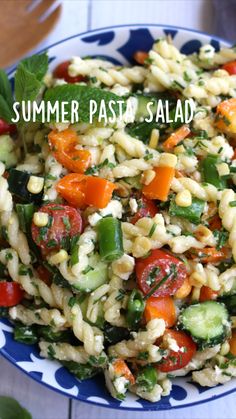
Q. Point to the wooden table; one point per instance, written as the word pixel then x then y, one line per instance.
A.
pixel 79 16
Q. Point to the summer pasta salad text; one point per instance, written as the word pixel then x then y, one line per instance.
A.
pixel 118 241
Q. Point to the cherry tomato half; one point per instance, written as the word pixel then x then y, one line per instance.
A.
pixel 176 360
pixel 146 208
pixel 61 72
pixel 44 275
pixel 207 293
pixel 64 221
pixel 152 269
pixel 230 67
pixel 6 128
pixel 10 294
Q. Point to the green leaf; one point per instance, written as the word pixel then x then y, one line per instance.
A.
pixel 36 64
pixel 82 94
pixel 5 88
pixel 11 409
pixel 27 86
pixel 29 76
pixel 6 111
pixel 142 130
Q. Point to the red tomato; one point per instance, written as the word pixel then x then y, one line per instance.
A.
pixel 147 208
pixel 44 274
pixel 10 294
pixel 61 72
pixel 152 269
pixel 207 293
pixel 176 360
pixel 6 128
pixel 64 221
pixel 230 67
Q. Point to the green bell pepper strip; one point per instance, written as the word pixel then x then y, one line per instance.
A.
pixel 110 239
pixel 192 213
pixel 147 378
pixel 210 173
pixel 25 214
pixel 135 309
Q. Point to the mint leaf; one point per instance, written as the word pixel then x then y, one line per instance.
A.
pixel 6 111
pixel 27 86
pixel 5 88
pixel 36 64
pixel 82 94
pixel 11 409
pixel 29 77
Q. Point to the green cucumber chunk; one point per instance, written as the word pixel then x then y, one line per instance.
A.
pixel 207 322
pixel 94 276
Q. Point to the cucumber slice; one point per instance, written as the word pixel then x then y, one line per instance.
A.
pixel 8 153
pixel 93 278
pixel 100 318
pixel 142 111
pixel 207 322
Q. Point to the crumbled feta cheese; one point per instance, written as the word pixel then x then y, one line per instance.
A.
pixel 121 384
pixel 133 205
pixel 94 218
pixel 114 208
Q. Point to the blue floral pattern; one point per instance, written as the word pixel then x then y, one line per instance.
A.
pixel 117 44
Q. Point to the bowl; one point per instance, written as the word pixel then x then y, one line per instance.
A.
pixel 117 43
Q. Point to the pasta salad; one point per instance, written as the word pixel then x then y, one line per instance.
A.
pixel 118 240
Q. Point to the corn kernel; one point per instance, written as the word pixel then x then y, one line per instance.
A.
pixel 225 348
pixel 40 219
pixel 141 247
pixel 223 169
pixel 59 257
pixel 35 184
pixel 179 149
pixel 147 176
pixel 183 198
pixel 202 233
pixel 196 294
pixel 197 280
pixel 167 159
pixel 155 134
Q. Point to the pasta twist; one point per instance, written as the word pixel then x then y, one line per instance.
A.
pixel 115 301
pixel 94 302
pixel 206 193
pixel 106 73
pixel 86 246
pixel 67 352
pixel 41 316
pixel 142 339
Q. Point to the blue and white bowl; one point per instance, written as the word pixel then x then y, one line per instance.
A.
pixel 117 44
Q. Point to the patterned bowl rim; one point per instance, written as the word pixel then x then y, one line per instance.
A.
pixel 3 352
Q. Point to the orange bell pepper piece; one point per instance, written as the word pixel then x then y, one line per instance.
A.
pixel 160 308
pixel 211 254
pixel 63 145
pixel 232 343
pixel 226 116
pixel 98 191
pixel 80 190
pixel 176 137
pixel 207 293
pixel 122 369
pixel 72 188
pixel 140 57
pixel 159 187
